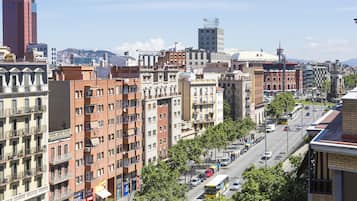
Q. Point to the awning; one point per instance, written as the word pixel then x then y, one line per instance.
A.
pixel 103 193
pixel 94 141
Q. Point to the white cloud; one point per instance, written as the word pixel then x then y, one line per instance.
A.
pixel 324 49
pixel 152 44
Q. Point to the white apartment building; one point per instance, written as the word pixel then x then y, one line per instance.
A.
pixel 219 105
pixel 23 131
pixel 159 87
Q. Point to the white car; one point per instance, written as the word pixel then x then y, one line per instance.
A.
pixel 235 185
pixel 267 155
pixel 225 161
pixel 195 181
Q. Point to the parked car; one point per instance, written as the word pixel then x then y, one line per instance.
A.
pixel 225 161
pixel 307 107
pixel 202 176
pixel 209 172
pixel 267 155
pixel 235 185
pixel 195 181
pixel 307 114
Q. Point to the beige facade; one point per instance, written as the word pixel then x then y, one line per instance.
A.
pixel 23 131
pixel 237 92
pixel 198 101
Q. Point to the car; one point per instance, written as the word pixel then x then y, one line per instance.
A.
pixel 195 181
pixel 235 185
pixel 307 114
pixel 267 155
pixel 286 128
pixel 202 176
pixel 209 172
pixel 225 161
pixel 307 107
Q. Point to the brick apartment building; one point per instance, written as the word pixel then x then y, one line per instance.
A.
pixel 273 78
pixel 104 119
pixel 161 104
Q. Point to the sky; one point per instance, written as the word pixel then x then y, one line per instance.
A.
pixel 308 29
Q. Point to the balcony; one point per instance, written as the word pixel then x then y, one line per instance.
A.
pixel 3 181
pixel 40 108
pixel 14 156
pixel 59 178
pixel 2 113
pixel 40 170
pixel 12 134
pixel 39 149
pixel 2 135
pixel 19 111
pixel 14 177
pixel 38 130
pixel 26 174
pixel 60 159
pixel 204 103
pixel 61 196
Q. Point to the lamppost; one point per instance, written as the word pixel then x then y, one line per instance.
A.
pixel 265 139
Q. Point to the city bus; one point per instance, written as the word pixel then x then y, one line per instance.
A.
pixel 297 108
pixel 216 187
pixel 283 120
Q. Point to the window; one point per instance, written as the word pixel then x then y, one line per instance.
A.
pixel 66 149
pixel 39 182
pixel 27 186
pixel 89 109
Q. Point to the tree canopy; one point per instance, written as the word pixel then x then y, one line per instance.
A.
pixel 350 81
pixel 273 184
pixel 282 103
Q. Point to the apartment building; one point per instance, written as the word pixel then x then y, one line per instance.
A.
pixel 196 60
pixel 173 57
pixel 199 101
pixel 332 158
pixel 104 118
pixel 160 97
pixel 237 92
pixel 60 155
pixel 23 131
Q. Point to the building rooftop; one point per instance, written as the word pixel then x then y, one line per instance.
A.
pixel 330 138
pixel 253 56
pixel 351 95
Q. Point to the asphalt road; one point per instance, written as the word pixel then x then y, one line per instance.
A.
pixel 276 143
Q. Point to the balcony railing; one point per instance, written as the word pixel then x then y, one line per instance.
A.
pixel 319 186
pixel 60 159
pixel 38 130
pixel 39 108
pixel 59 178
pixel 19 111
pixel 4 180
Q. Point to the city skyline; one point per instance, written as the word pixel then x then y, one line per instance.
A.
pixel 313 30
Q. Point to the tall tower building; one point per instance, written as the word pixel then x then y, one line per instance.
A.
pixel 211 37
pixel 18 25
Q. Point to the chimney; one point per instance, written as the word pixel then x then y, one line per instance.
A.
pixel 349 116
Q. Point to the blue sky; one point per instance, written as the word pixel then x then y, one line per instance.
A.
pixel 307 29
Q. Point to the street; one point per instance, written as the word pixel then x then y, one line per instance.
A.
pixel 276 143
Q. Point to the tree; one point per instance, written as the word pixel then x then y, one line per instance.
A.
pixel 350 81
pixel 227 110
pixel 273 184
pixel 326 87
pixel 160 183
pixel 282 103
